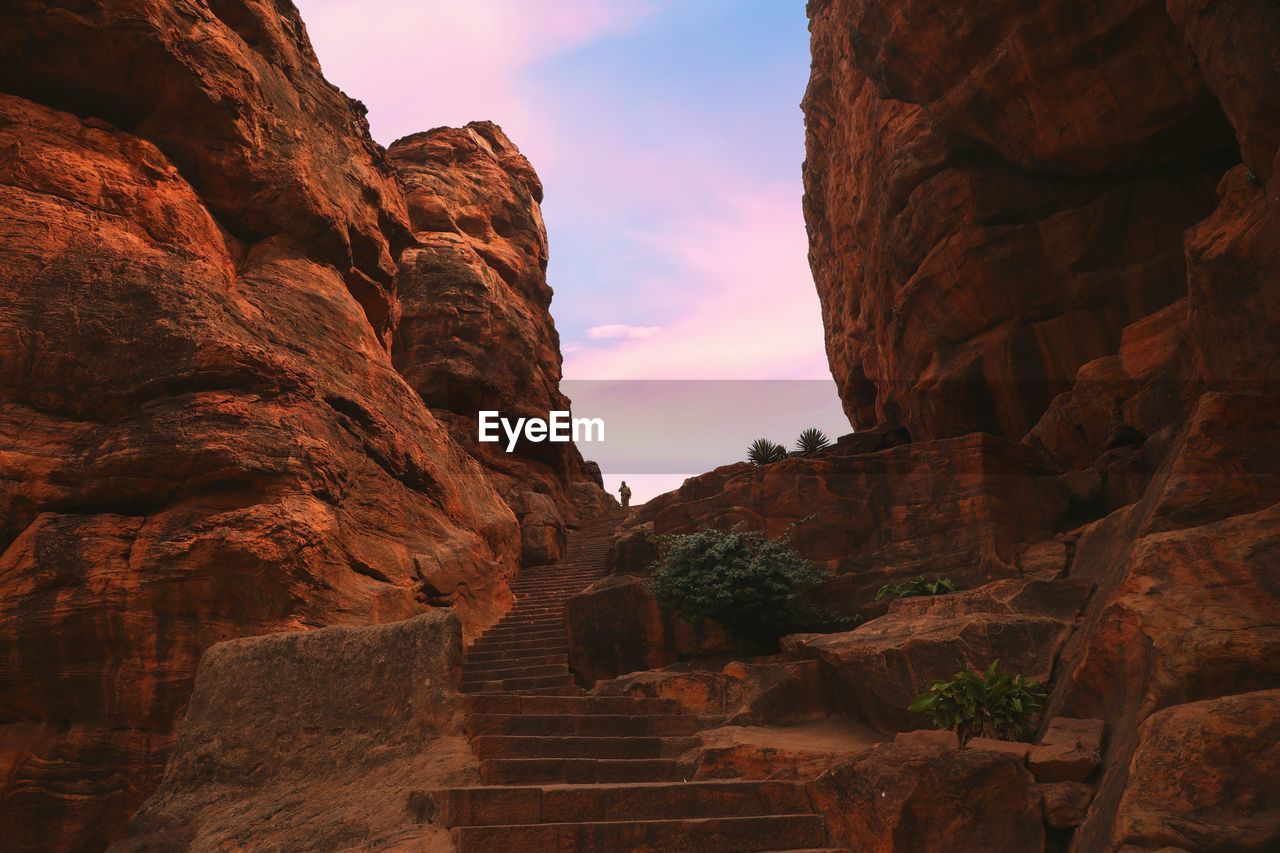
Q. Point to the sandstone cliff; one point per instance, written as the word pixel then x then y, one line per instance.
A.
pixel 476 332
pixel 205 435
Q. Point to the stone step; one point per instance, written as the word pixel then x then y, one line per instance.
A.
pixel 479 657
pixel 574 746
pixel 695 835
pixel 553 691
pixel 526 632
pixel 478 665
pixel 587 725
pixel 516 704
pixel 480 806
pixel 581 771
pixel 501 645
pixel 470 674
pixel 517 684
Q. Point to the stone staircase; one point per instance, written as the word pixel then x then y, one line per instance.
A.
pixel 563 771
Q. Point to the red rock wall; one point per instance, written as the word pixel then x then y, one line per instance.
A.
pixel 476 331
pixel 204 435
pixel 1034 220
pixel 992 195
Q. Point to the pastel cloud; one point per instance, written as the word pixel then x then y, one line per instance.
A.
pixel 751 311
pixel 673 197
pixel 619 330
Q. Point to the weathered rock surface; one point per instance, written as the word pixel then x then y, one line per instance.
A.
pixel 1224 799
pixel 1014 227
pixel 616 626
pixel 879 668
pixel 765 693
pixel 992 198
pixel 1186 606
pixel 897 797
pixel 957 508
pixel 314 740
pixel 475 331
pixel 204 435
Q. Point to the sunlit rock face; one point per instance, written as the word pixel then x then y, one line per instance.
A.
pixel 204 434
pixel 476 331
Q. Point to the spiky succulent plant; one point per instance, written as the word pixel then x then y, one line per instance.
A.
pixel 763 451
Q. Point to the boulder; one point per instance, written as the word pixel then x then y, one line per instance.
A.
pixel 616 626
pixel 1063 762
pixel 1203 777
pixel 313 740
pixel 774 693
pixel 879 668
pixel 1065 803
pixel 939 739
pixel 897 797
pixel 1084 734
pixel 1015 748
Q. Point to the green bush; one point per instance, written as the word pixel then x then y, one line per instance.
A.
pixel 916 586
pixel 753 587
pixel 991 704
pixel 763 451
pixel 812 440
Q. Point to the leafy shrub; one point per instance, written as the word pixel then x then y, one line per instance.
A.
pixel 991 704
pixel 916 586
pixel 763 451
pixel 751 586
pixel 812 440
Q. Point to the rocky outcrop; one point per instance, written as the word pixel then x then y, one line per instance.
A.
pixel 1225 800
pixel 992 198
pixel 475 331
pixel 762 693
pixel 910 797
pixel 315 740
pixel 957 508
pixel 879 668
pixel 616 626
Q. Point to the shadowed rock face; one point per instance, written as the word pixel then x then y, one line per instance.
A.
pixel 204 435
pixel 475 331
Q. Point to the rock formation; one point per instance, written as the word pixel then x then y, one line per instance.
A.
pixel 317 740
pixel 475 331
pixel 205 435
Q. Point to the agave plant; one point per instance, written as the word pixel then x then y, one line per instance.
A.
pixel 812 440
pixel 763 451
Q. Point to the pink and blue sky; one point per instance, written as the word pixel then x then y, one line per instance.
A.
pixel 669 138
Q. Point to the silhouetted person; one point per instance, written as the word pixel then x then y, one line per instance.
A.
pixel 625 494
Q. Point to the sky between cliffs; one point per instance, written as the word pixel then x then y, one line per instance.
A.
pixel 668 135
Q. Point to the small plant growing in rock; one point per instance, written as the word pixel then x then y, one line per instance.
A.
pixel 983 704
pixel 752 586
pixel 811 441
pixel 916 586
pixel 763 451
